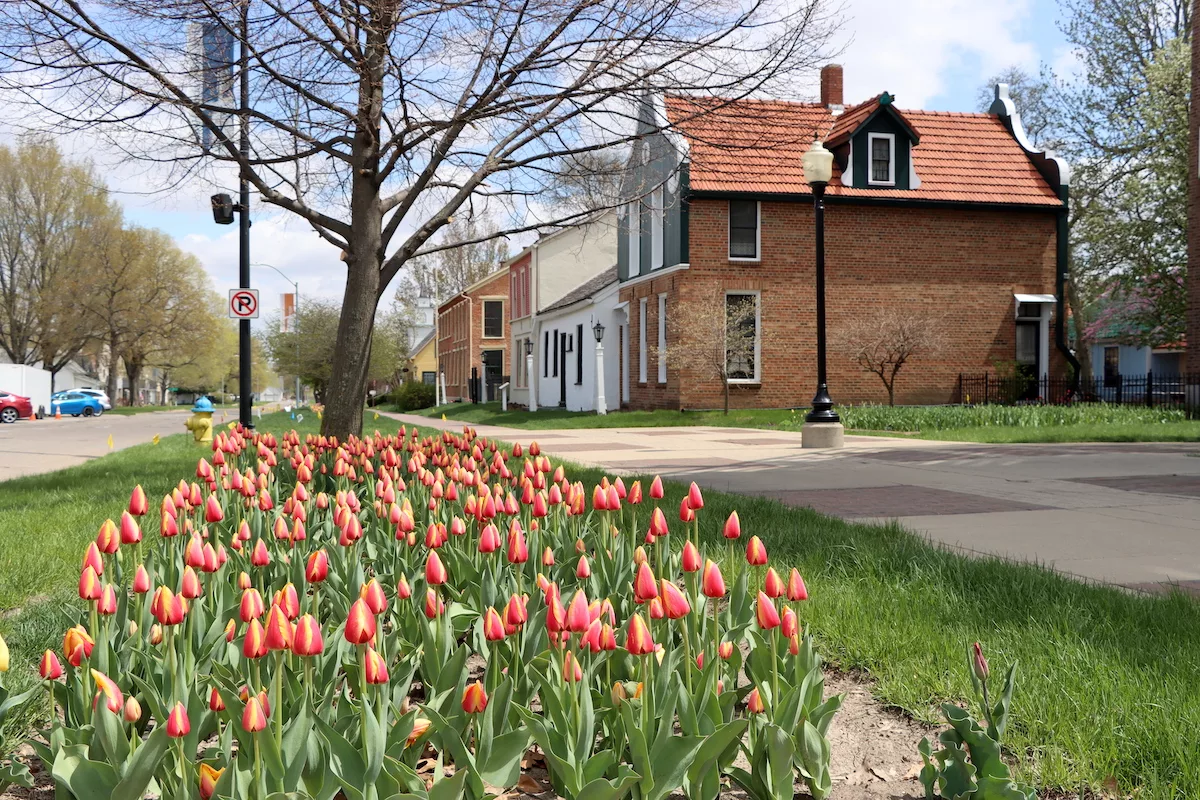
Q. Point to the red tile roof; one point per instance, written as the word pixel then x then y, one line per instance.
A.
pixel 755 146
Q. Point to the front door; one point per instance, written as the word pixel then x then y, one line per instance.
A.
pixel 562 370
pixel 1029 368
pixel 493 372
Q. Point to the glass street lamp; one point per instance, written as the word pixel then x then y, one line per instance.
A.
pixel 818 169
pixel 598 331
pixel 529 347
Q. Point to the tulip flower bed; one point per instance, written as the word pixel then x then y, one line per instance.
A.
pixel 321 617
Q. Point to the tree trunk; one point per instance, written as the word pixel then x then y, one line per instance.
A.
pixel 1083 350
pixel 110 384
pixel 347 387
pixel 726 382
pixel 133 371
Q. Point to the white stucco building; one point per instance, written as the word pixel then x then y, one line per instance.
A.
pixel 540 276
pixel 570 382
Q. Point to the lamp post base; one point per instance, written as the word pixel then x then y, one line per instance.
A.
pixel 822 435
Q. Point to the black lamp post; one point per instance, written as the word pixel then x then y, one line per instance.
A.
pixel 598 331
pixel 818 169
pixel 529 347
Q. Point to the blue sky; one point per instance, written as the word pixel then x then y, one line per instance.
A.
pixel 932 54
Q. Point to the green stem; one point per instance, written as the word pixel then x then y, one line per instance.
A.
pixel 53 708
pixel 183 792
pixel 257 767
pixel 279 698
pixel 716 643
pixel 687 653
pixel 774 672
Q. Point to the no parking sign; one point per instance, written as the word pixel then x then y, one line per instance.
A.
pixel 243 303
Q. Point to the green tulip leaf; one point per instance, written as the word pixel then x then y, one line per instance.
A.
pixel 140 769
pixel 15 773
pixel 82 777
pixel 345 762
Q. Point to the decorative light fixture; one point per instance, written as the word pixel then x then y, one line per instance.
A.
pixel 818 169
pixel 818 165
pixel 529 347
pixel 598 331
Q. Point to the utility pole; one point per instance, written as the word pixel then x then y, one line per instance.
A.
pixel 245 387
pixel 1193 209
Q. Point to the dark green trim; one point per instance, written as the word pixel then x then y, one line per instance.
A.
pixel 1062 264
pixel 843 200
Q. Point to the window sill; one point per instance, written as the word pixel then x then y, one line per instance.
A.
pixel 494 338
pixel 744 382
pixel 882 184
pixel 733 260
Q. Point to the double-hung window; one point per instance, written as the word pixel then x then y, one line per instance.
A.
pixel 642 341
pixel 656 228
pixel 882 151
pixel 493 319
pixel 743 340
pixel 662 338
pixel 743 230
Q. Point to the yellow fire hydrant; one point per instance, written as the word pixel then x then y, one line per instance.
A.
pixel 200 422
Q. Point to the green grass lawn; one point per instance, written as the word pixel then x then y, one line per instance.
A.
pixel 125 411
pixel 1007 424
pixel 1108 683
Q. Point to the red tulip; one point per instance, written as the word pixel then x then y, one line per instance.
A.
pixel 794 644
pixel 493 626
pixel 644 586
pixel 252 605
pixel 107 605
pixel 317 569
pixel 49 667
pixel 191 584
pixel 518 553
pixel 403 590
pixel 434 606
pixel 634 497
pixel 612 499
pixel 767 616
pixel 548 557
pixel 215 703
pixel 278 630
pixel 168 526
pixel 193 554
pixel 212 510
pixel 572 672
pixel 608 639
pixel 209 777
pixel 89 585
pixel 132 711
pixel 307 640
pixel 77 645
pixel 138 505
pixel 489 539
pixel 733 525
pixel 690 558
pixel 979 664
pixel 261 556
pixel 93 559
pixel 360 623
pixel 773 585
pixel 254 645
pixel 435 572
pixel 288 600
pixel 254 718
pixel 712 584
pixel 372 593
pixel 578 618
pixel 656 488
pixel 638 640
pixel 475 698
pixel 686 514
pixel 725 650
pixel 107 687
pixel 675 604
pixel 656 608
pixel 754 703
pixel 374 667
pixel 695 499
pixel 178 724
pixel 658 522
pixel 515 612
pixel 756 553
pixel 791 624
pixel 583 569
pixel 796 590
pixel 107 539
pixel 171 608
pixel 599 498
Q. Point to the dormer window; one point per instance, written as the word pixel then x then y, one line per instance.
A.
pixel 882 148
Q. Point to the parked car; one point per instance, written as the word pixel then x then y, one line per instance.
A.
pixel 76 403
pixel 14 407
pixel 99 394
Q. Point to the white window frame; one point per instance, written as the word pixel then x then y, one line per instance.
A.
pixel 757 236
pixel 642 340
pixel 662 338
pixel 891 140
pixel 656 227
pixel 635 238
pixel 757 294
pixel 483 317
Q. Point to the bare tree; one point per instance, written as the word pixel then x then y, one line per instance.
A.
pixel 882 343
pixel 377 121
pixel 473 250
pixel 718 339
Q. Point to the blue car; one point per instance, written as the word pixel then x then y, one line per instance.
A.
pixel 76 403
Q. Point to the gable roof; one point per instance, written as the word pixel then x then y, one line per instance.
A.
pixel 422 343
pixel 847 124
pixel 584 290
pixel 755 146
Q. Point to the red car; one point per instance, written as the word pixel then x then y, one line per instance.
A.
pixel 14 407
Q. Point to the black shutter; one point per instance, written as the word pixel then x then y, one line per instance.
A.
pixel 579 355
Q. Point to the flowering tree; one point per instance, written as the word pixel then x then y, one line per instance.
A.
pixel 1150 313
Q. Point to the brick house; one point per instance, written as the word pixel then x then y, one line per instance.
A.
pixel 472 332
pixel 950 212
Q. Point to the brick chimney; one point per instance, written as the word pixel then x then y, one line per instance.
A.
pixel 831 85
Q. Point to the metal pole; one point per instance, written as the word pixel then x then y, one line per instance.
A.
pixel 822 404
pixel 296 333
pixel 245 387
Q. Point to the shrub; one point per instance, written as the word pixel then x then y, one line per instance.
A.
pixel 413 395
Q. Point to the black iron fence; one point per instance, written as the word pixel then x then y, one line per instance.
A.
pixel 1152 389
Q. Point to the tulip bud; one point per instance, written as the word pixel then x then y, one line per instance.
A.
pixel 251 606
pixel 212 510
pixel 156 634
pixel 215 702
pixel 790 624
pixel 360 623
pixel 754 703
pixel 733 525
pixel 656 488
pixel 89 584
pixel 141 580
pixel 191 584
pixel 113 699
pixel 374 667
pixel 979 664
pixel 644 586
pixel 712 584
pixel 493 626
pixel 209 777
pixel 133 710
pixel 372 593
pixel 435 572
pixel 261 556
pixel 773 585
pixel 403 589
pixel 138 505
pixel 107 604
pixel 675 603
pixel 254 718
pixel 690 558
pixel 4 656
pixel 49 667
pixel 756 552
pixel 278 632
pixel 766 614
pixel 107 539
pixel 638 640
pixel 307 640
pixel 318 567
pixel 796 590
pixel 578 618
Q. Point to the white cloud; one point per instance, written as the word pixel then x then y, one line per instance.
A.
pixel 912 49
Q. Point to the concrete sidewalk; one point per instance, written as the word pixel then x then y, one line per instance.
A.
pixel 1119 513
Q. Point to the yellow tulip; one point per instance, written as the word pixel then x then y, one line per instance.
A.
pixel 3 655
